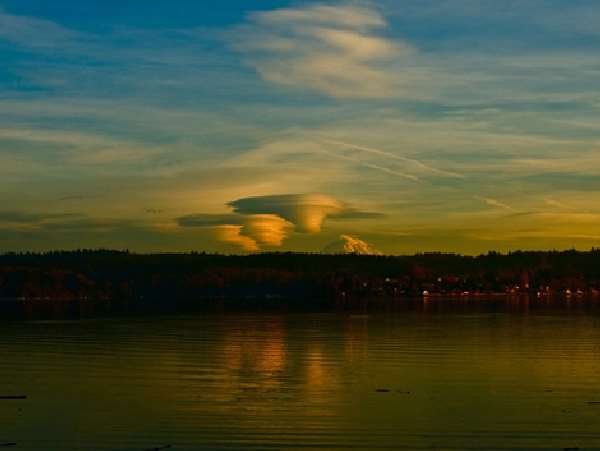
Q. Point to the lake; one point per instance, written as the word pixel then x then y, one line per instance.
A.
pixel 439 375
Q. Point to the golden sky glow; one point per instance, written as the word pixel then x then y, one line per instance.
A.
pixel 405 126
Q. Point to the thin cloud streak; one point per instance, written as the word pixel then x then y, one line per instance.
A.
pixel 383 153
pixel 32 32
pixel 555 203
pixel 494 203
pixel 389 171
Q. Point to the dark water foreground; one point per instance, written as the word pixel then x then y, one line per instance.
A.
pixel 442 374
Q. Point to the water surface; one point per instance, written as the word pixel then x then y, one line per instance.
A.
pixel 427 378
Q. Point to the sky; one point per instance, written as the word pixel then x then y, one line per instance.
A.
pixel 397 126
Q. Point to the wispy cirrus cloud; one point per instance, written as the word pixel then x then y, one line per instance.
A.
pixel 412 163
pixel 34 32
pixel 75 148
pixel 495 203
pixel 558 204
pixel 333 49
pixel 29 218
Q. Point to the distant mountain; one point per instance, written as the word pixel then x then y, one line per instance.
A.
pixel 347 244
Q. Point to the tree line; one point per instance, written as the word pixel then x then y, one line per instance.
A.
pixel 122 275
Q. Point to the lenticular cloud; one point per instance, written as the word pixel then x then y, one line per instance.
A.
pixel 305 211
pixel 266 221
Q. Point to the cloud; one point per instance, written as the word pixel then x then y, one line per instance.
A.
pixel 330 49
pixel 73 197
pixel 412 164
pixel 232 234
pixel 89 225
pixel 353 213
pixel 208 220
pixel 43 222
pixel 266 221
pixel 558 204
pixel 41 226
pixel 80 148
pixel 495 203
pixel 246 231
pixel 34 32
pixel 306 211
pixel 21 217
pixel 267 230
pixel 376 167
pixel 347 244
pixel 351 16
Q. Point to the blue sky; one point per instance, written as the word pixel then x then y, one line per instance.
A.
pixel 457 125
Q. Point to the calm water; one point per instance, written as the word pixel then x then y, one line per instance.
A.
pixel 439 378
